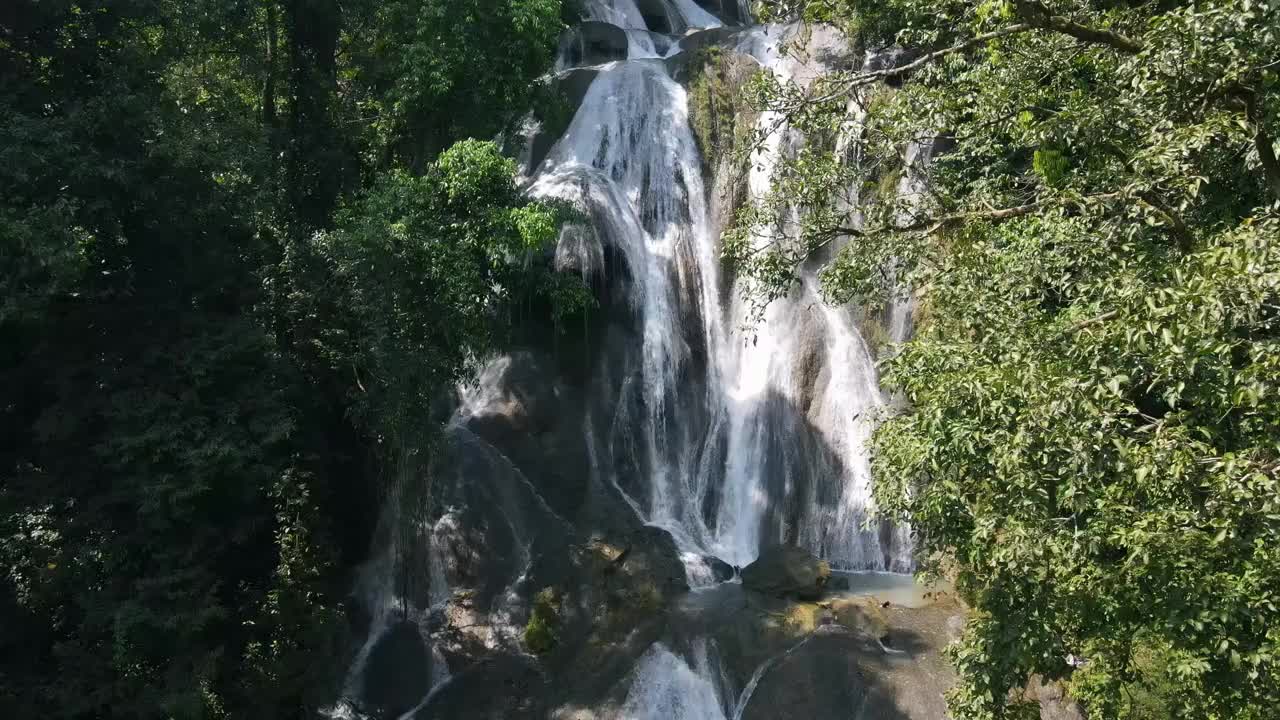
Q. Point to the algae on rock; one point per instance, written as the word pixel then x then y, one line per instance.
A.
pixel 723 121
pixel 540 632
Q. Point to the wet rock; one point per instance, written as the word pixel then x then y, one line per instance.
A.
pixel 820 679
pixel 862 616
pixel 394 676
pixel 720 570
pixel 695 41
pixel 593 43
pixel 501 688
pixel 513 397
pixel 659 18
pixel 1055 704
pixel 520 410
pixel 888 59
pixel 652 554
pixel 572 86
pixel 729 11
pixel 787 570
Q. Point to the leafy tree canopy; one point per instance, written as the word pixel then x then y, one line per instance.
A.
pixel 222 309
pixel 1091 445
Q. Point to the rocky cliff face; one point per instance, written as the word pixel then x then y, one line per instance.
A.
pixel 572 551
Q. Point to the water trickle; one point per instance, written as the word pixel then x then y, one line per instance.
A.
pixel 666 687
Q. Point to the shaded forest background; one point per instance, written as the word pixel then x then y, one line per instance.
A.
pixel 241 252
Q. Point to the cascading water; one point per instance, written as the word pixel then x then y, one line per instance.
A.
pixel 728 430
pixel 631 158
pixel 807 355
pixel 790 399
pixel 666 686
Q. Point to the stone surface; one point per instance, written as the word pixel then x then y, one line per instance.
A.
pixel 720 570
pixel 659 17
pixel 1054 702
pixel 393 681
pixel 652 553
pixel 819 679
pixel 728 11
pixel 501 688
pixel 787 570
pixel 593 43
pixel 862 615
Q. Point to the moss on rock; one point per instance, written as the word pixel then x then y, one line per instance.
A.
pixel 722 120
pixel 540 632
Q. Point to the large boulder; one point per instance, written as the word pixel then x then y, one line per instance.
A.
pixel 652 554
pixel 787 570
pixel 394 678
pixel 499 688
pixel 659 17
pixel 729 11
pixel 593 43
pixel 862 616
pixel 819 679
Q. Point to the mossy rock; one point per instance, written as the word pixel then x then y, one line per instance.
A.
pixel 860 615
pixel 544 619
pixel 722 121
pixel 787 571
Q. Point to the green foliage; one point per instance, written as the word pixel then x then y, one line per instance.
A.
pixel 1090 443
pixel 721 119
pixel 421 265
pixel 207 376
pixel 1152 687
pixel 442 70
pixel 544 618
pixel 1051 165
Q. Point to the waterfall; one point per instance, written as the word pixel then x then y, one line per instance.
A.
pixel 626 14
pixel 631 158
pixel 728 428
pixel 791 399
pixel 804 356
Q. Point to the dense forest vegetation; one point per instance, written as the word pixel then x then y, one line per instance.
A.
pixel 246 245
pixel 240 254
pixel 1092 446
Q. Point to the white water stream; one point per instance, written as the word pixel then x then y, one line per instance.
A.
pixel 770 442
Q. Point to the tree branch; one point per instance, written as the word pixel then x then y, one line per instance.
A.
pixel 868 78
pixel 1178 227
pixel 1098 319
pixel 1262 141
pixel 934 224
pixel 1038 15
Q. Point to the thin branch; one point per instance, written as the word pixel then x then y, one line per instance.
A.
pixel 1176 224
pixel 932 225
pixel 1036 15
pixel 867 78
pixel 1096 320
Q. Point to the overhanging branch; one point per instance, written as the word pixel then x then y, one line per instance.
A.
pixel 868 78
pixel 1037 15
